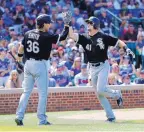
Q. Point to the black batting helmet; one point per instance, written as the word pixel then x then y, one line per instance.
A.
pixel 43 18
pixel 95 21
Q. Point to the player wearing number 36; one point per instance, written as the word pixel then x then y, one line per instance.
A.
pixel 36 46
pixel 96 45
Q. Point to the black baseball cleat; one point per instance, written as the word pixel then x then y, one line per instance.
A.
pixel 111 120
pixel 120 102
pixel 47 123
pixel 19 122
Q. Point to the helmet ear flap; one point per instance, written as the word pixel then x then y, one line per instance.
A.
pixel 95 27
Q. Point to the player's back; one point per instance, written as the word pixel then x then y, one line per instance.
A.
pixel 37 44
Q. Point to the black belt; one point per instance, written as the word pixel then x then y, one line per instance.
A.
pixel 37 59
pixel 96 64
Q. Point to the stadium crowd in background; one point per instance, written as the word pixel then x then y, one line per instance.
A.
pixel 68 65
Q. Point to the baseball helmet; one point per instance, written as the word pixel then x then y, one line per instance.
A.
pixel 95 21
pixel 43 18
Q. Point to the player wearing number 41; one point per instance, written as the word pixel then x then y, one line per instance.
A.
pixel 96 45
pixel 36 46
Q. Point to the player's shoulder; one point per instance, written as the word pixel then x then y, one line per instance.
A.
pixel 31 31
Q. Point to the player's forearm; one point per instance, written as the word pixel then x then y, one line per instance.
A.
pixel 21 49
pixel 64 33
pixel 73 35
pixel 20 53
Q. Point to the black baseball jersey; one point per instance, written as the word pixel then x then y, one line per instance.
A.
pixel 38 45
pixel 96 46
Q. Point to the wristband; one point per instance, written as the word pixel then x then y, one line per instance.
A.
pixel 20 55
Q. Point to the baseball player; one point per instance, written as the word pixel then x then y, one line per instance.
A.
pixel 96 45
pixel 36 46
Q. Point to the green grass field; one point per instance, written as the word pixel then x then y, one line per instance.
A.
pixel 30 123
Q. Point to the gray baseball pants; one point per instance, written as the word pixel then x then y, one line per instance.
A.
pixel 34 71
pixel 99 77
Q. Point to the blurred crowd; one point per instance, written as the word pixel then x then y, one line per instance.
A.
pixel 68 64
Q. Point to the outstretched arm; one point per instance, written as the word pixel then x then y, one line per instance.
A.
pixel 121 44
pixel 67 19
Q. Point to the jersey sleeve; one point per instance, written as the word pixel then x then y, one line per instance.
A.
pixel 111 41
pixel 82 40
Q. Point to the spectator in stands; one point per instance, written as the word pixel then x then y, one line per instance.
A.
pixel 59 8
pixel 131 4
pixel 116 4
pixel 69 45
pixel 4 42
pixel 61 54
pixel 76 13
pixel 13 36
pixel 52 3
pixel 113 53
pixel 76 67
pixel 13 80
pixel 86 5
pixel 40 4
pixel 127 66
pixel 112 80
pixel 139 49
pixel 98 4
pixel 54 54
pixel 141 4
pixel 30 23
pixel 131 34
pixel 59 23
pixel 74 24
pixel 140 80
pixel 122 54
pixel 126 80
pixel 7 17
pixel 105 21
pixel 51 81
pixel 124 14
pixel 67 3
pixel 69 61
pixel 71 78
pixel 62 80
pixel 18 14
pixel 53 66
pixel 116 71
pixel 82 29
pixel 137 5
pixel 112 61
pixel 75 51
pixel 53 14
pixel 81 79
pixel 5 67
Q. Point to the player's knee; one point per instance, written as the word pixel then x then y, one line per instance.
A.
pixel 100 91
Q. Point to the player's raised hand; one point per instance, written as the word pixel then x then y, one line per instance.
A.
pixel 67 17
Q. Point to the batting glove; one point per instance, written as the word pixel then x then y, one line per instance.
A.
pixel 67 17
pixel 129 52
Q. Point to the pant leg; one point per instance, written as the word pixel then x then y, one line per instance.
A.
pixel 28 84
pixel 42 85
pixel 99 81
pixel 103 81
